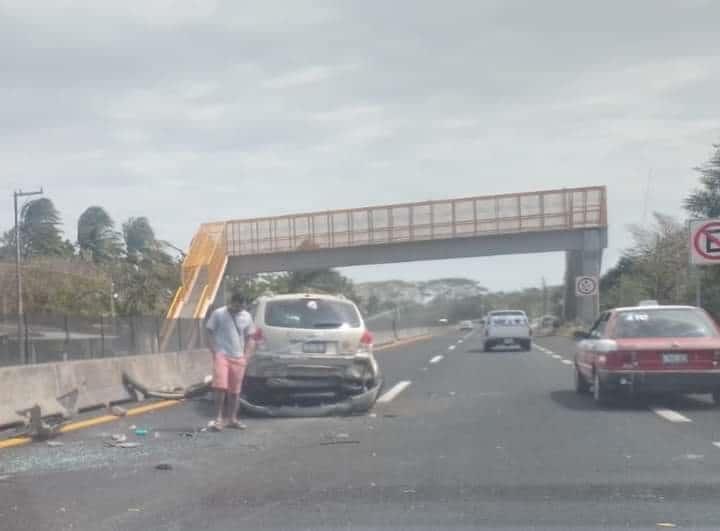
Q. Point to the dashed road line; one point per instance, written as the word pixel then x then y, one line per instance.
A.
pixel 437 358
pixel 394 391
pixel 716 444
pixel 451 347
pixel 556 357
pixel 567 362
pixel 670 415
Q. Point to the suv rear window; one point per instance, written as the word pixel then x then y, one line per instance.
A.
pixel 311 313
pixel 664 323
pixel 511 319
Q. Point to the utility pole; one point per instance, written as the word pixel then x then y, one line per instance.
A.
pixel 18 274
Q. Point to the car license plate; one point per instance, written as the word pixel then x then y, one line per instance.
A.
pixel 674 358
pixel 314 348
pixel 508 341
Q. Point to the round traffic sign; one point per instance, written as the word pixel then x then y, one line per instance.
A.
pixel 705 238
pixel 586 286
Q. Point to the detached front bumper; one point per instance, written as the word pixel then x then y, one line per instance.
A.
pixel 662 381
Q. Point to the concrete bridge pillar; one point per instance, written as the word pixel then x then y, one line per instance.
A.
pixel 580 262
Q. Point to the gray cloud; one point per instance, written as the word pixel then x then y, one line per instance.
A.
pixel 212 110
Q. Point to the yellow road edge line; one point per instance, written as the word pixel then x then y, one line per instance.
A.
pixel 74 426
pixel 96 421
pixel 15 441
pixel 403 343
pixel 151 407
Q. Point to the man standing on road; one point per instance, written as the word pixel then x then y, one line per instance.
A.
pixel 230 329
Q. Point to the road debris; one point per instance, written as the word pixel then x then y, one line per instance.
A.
pixel 55 444
pixel 345 441
pixel 666 525
pixel 119 437
pixel 132 427
pixel 163 466
pixel 166 392
pixel 409 491
pixel 117 411
pixel 38 428
pixel 188 434
pixel 111 444
pixel 141 432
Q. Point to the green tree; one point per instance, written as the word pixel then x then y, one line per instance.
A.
pixel 139 236
pixel 326 280
pixel 40 233
pixel 97 237
pixel 705 203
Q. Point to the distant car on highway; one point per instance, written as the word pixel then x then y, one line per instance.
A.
pixel 507 327
pixel 649 348
pixel 466 325
pixel 310 346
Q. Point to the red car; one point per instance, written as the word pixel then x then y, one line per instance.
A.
pixel 672 349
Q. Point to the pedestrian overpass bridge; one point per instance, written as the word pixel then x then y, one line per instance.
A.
pixel 569 220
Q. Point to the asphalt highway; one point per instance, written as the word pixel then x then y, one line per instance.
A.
pixel 460 439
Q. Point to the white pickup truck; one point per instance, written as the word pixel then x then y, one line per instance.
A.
pixel 507 327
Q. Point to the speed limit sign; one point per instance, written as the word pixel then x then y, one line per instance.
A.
pixel 586 286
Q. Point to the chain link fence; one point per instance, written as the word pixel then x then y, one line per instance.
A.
pixel 49 338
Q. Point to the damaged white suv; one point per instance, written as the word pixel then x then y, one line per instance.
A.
pixel 312 350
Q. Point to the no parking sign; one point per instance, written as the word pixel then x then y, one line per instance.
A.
pixel 705 242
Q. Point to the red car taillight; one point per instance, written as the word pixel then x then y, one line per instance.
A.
pixel 620 360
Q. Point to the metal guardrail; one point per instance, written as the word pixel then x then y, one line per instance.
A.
pixel 566 209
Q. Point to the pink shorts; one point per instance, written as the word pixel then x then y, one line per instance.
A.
pixel 228 373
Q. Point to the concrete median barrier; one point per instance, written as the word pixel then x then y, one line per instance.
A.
pixel 24 386
pixel 99 382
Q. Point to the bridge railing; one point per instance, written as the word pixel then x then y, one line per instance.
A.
pixel 430 220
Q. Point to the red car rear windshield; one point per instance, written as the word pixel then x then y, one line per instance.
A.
pixel 672 322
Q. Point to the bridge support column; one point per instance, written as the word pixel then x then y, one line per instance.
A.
pixel 580 262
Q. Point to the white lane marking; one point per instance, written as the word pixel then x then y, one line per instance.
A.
pixel 567 362
pixel 669 414
pixel 451 347
pixel 460 341
pixel 437 358
pixel 716 444
pixel 556 356
pixel 394 391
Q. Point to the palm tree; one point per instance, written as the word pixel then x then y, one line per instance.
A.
pixel 139 236
pixel 39 229
pixel 97 236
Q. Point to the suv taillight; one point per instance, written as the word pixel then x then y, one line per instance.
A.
pixel 259 338
pixel 366 341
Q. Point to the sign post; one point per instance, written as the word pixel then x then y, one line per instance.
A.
pixel 704 248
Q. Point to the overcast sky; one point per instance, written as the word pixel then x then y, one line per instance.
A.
pixel 188 111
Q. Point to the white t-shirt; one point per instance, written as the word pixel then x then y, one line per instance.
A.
pixel 230 338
